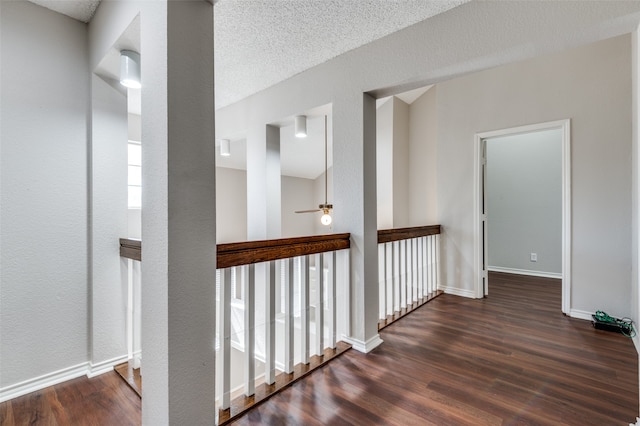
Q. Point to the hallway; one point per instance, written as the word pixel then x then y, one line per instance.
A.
pixel 511 358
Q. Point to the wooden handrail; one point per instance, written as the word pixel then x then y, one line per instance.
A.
pixel 236 254
pixel 131 248
pixel 389 235
pixel 246 253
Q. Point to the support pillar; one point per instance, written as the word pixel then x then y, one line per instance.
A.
pixel 355 211
pixel 178 222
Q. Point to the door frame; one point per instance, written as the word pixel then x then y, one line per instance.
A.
pixel 480 218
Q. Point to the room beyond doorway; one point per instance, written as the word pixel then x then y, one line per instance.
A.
pixel 530 204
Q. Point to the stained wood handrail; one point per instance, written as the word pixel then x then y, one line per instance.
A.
pixel 246 253
pixel 131 248
pixel 397 234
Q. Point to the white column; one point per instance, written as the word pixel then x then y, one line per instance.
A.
pixel 355 210
pixel 178 219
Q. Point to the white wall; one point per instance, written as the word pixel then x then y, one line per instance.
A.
pixel 423 140
pixel 392 159
pixel 401 155
pixel 231 205
pixel 43 238
pixel 298 194
pixel 524 201
pixel 108 223
pixel 591 85
pixel 384 164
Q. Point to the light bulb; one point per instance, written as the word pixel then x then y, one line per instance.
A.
pixel 326 219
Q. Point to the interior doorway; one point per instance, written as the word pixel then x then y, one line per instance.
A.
pixel 481 229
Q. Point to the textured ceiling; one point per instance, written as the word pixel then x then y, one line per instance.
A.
pixel 82 10
pixel 260 43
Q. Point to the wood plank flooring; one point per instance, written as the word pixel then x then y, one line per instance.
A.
pixel 510 359
pixel 131 376
pixel 102 400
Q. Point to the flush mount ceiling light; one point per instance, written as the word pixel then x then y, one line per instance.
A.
pixel 225 147
pixel 300 124
pixel 130 69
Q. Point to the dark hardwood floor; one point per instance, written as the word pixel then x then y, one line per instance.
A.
pixel 103 400
pixel 510 359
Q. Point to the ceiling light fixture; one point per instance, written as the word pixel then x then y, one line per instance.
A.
pixel 300 124
pixel 130 69
pixel 225 147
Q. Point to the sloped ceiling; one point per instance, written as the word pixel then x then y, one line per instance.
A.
pixel 260 43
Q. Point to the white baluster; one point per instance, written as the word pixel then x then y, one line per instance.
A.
pixel 382 288
pixel 270 327
pixel 249 332
pixel 225 338
pixel 289 319
pixel 319 304
pixel 332 300
pixel 437 265
pixel 304 320
pixel 419 266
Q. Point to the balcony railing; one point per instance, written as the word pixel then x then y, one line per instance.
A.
pixel 281 305
pixel 408 270
pixel 278 309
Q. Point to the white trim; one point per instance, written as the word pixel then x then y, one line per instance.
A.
pixel 478 246
pixel 44 381
pixel 364 347
pixel 462 292
pixel 105 366
pixel 584 315
pixel 542 274
pixel 37 383
pixel 565 126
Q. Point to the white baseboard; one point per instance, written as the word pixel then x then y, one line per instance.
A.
pixel 105 366
pixel 37 383
pixel 574 313
pixel 525 272
pixel 458 292
pixel 364 347
pixel 44 381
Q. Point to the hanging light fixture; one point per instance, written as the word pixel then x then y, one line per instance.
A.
pixel 225 147
pixel 325 208
pixel 130 69
pixel 300 124
pixel 326 217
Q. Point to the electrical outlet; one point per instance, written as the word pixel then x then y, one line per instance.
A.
pixel 534 257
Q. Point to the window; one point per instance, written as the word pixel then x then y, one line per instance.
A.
pixel 135 174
